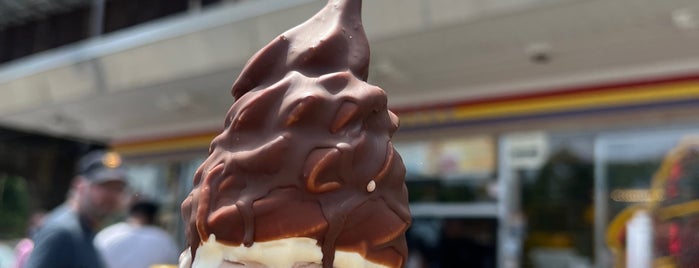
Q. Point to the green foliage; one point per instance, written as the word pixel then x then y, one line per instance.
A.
pixel 14 207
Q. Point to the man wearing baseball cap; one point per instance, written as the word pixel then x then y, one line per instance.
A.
pixel 97 192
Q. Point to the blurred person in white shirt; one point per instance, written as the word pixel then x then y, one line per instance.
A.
pixel 137 242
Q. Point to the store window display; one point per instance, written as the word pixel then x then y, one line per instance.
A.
pixel 453 170
pixel 672 201
pixel 448 179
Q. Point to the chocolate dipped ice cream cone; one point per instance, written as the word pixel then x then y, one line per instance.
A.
pixel 304 173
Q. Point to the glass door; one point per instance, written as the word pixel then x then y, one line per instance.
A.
pixel 545 206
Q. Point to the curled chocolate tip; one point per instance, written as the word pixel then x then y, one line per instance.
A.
pixel 333 40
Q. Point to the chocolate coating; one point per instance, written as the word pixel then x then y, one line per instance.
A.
pixel 306 150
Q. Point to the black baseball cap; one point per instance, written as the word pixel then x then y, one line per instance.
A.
pixel 102 166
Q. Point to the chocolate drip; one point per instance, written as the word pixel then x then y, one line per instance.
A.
pixel 307 144
pixel 336 211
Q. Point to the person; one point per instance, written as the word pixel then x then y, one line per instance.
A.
pixel 25 246
pixel 96 193
pixel 137 242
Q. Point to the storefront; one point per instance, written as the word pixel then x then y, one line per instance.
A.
pixel 543 180
pixel 555 199
pixel 572 169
